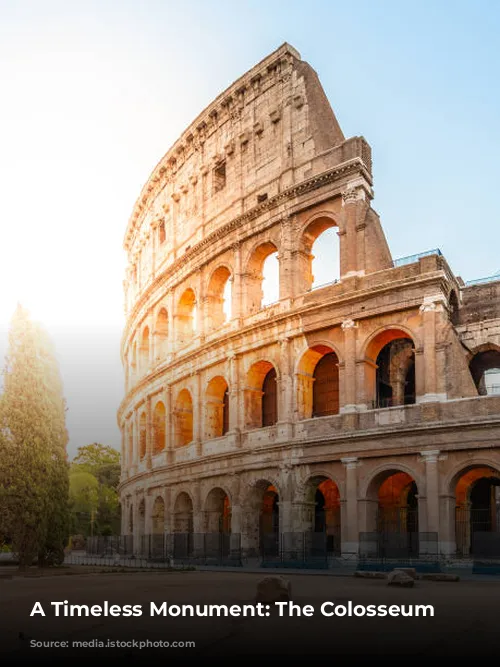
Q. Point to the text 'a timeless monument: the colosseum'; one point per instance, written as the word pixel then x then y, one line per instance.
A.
pixel 358 418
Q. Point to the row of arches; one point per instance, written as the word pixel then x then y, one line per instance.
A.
pixel 261 287
pixel 393 499
pixel 391 383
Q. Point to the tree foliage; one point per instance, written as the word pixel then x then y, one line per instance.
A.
pixel 33 462
pixel 101 464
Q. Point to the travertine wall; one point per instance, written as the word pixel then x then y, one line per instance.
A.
pixel 265 168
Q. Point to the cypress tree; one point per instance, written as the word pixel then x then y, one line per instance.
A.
pixel 33 465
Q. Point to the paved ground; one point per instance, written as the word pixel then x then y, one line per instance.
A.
pixel 465 622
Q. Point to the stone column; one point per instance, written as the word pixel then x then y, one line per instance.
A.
pixel 169 444
pixel 237 287
pixel 171 325
pixel 350 533
pixel 355 201
pixel 447 519
pixel 198 415
pixel 348 390
pixel 431 458
pixel 149 433
pixel 285 390
pixel 428 310
pixel 235 409
pixel 285 258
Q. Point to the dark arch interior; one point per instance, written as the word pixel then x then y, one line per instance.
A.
pixel 485 371
pixel 396 374
pixel 326 386
pixel 269 399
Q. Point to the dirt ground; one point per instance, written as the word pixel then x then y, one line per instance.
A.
pixel 465 621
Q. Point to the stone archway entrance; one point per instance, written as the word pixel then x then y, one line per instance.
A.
pixel 269 524
pixel 322 523
pixel 217 535
pixel 395 523
pixel 477 513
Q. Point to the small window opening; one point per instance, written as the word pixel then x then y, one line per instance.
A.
pixel 219 177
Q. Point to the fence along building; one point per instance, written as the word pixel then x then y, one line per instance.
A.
pixel 361 416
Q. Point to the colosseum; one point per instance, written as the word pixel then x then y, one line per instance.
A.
pixel 354 419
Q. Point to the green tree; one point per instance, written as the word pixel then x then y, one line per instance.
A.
pixel 33 467
pixel 103 463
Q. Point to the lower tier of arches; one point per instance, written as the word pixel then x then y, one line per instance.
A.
pixel 428 503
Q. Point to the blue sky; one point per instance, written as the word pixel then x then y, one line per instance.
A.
pixel 94 93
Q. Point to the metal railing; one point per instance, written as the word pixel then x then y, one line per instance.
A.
pixel 409 399
pixel 482 281
pixel 410 259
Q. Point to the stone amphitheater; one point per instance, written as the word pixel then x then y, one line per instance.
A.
pixel 357 417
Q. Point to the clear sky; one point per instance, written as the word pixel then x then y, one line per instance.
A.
pixel 94 93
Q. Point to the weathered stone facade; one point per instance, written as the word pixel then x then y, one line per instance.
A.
pixel 355 408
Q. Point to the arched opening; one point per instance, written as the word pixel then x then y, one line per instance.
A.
pixel 216 408
pixel 318 383
pixel 394 497
pixel 269 399
pixel 159 416
pixel 454 305
pixel 183 419
pixel 319 259
pixel 477 514
pixel 219 298
pixel 395 369
pixel 262 277
pixel 218 512
pixel 142 435
pixel 485 371
pixel 322 520
pixel 261 399
pixel 186 317
pixel 144 351
pixel 183 527
pixel 161 335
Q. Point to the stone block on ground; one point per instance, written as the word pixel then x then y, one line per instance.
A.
pixel 410 571
pixel 368 574
pixel 440 576
pixel 400 578
pixel 274 589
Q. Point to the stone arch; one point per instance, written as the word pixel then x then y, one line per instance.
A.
pixel 217 509
pixel 314 228
pixel 183 542
pixel 144 350
pixel 390 377
pixel 254 275
pixel 158 516
pixel 161 334
pixel 159 430
pixel 133 361
pixel 392 510
pixel 219 297
pixel 318 382
pixel 476 488
pixel 261 396
pixel 216 408
pixel 261 518
pixel 484 367
pixel 186 316
pixel 321 513
pixel 142 435
pixel 183 418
